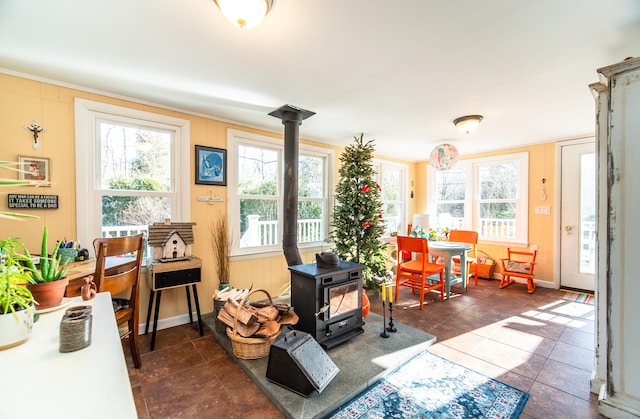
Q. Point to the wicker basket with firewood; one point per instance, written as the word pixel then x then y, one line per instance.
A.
pixel 253 328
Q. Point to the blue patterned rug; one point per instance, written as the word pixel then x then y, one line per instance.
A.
pixel 428 386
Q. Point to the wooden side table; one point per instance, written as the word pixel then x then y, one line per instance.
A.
pixel 165 275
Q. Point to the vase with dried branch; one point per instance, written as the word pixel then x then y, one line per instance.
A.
pixel 221 241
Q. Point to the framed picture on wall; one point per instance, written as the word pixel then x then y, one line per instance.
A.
pixel 37 170
pixel 211 166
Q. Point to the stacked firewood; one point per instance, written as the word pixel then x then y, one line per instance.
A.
pixel 257 320
pixel 231 293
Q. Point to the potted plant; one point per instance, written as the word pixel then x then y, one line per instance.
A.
pixel 16 301
pixel 48 282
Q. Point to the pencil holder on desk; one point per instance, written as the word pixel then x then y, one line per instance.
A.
pixel 67 255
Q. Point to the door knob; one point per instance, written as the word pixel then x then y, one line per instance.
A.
pixel 567 229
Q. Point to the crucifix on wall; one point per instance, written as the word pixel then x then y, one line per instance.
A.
pixel 35 129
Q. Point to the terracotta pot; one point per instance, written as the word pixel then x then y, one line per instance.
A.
pixel 48 294
pixel 366 304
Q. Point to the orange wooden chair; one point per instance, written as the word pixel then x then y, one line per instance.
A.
pixel 519 263
pixel 415 273
pixel 122 278
pixel 469 237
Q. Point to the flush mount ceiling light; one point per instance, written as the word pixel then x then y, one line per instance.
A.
pixel 467 123
pixel 245 14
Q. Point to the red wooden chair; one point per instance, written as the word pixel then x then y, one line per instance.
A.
pixel 415 273
pixel 469 237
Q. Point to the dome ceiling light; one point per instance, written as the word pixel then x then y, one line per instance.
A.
pixel 245 14
pixel 467 123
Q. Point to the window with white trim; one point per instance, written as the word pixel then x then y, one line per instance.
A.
pixel 488 195
pixel 132 169
pixel 255 193
pixel 392 178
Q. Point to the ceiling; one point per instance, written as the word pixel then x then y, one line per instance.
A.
pixel 397 71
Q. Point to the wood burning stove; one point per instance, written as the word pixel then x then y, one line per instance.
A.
pixel 328 301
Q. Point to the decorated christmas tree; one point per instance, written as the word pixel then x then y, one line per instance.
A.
pixel 357 218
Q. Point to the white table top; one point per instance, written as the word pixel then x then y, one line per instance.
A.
pixel 450 246
pixel 39 381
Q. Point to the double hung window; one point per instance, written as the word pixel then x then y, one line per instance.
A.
pixel 132 170
pixel 256 199
pixel 488 195
pixel 392 178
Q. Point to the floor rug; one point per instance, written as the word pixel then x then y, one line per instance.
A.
pixel 428 386
pixel 579 297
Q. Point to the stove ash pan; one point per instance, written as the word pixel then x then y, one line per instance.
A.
pixel 328 301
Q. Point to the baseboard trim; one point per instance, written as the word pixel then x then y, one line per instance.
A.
pixel 169 322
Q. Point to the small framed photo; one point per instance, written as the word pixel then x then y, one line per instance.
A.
pixel 37 170
pixel 211 166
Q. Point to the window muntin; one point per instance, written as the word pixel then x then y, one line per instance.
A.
pixel 256 167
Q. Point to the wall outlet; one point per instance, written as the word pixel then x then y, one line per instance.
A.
pixel 534 247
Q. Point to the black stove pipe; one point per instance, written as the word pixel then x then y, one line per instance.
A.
pixel 291 117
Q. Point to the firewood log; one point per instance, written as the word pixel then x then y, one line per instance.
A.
pixel 243 330
pixel 245 316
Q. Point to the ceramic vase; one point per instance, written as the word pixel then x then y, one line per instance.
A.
pixel 15 328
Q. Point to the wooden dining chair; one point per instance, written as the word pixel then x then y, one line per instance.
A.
pixel 415 273
pixel 519 263
pixel 469 237
pixel 122 278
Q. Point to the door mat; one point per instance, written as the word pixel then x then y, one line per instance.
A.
pixel 579 297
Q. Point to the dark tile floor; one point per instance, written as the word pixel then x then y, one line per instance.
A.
pixel 536 342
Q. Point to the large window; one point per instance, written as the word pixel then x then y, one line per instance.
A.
pixel 392 178
pixel 488 195
pixel 132 168
pixel 256 166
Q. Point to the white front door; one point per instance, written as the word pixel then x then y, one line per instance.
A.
pixel 578 216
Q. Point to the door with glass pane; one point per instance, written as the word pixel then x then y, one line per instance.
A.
pixel 578 216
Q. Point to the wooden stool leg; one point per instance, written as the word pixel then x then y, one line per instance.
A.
pixel 195 300
pixel 189 304
pixel 151 296
pixel 155 320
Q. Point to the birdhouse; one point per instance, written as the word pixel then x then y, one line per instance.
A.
pixel 171 241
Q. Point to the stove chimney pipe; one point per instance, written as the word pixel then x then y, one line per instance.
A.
pixel 291 117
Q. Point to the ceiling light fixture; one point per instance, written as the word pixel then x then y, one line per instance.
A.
pixel 467 123
pixel 245 14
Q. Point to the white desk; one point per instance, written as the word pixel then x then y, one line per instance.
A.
pixel 93 382
pixel 447 250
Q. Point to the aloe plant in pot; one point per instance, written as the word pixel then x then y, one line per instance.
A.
pixel 16 301
pixel 48 282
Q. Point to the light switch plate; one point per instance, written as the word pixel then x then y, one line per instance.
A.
pixel 543 209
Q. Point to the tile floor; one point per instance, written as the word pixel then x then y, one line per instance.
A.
pixel 536 342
